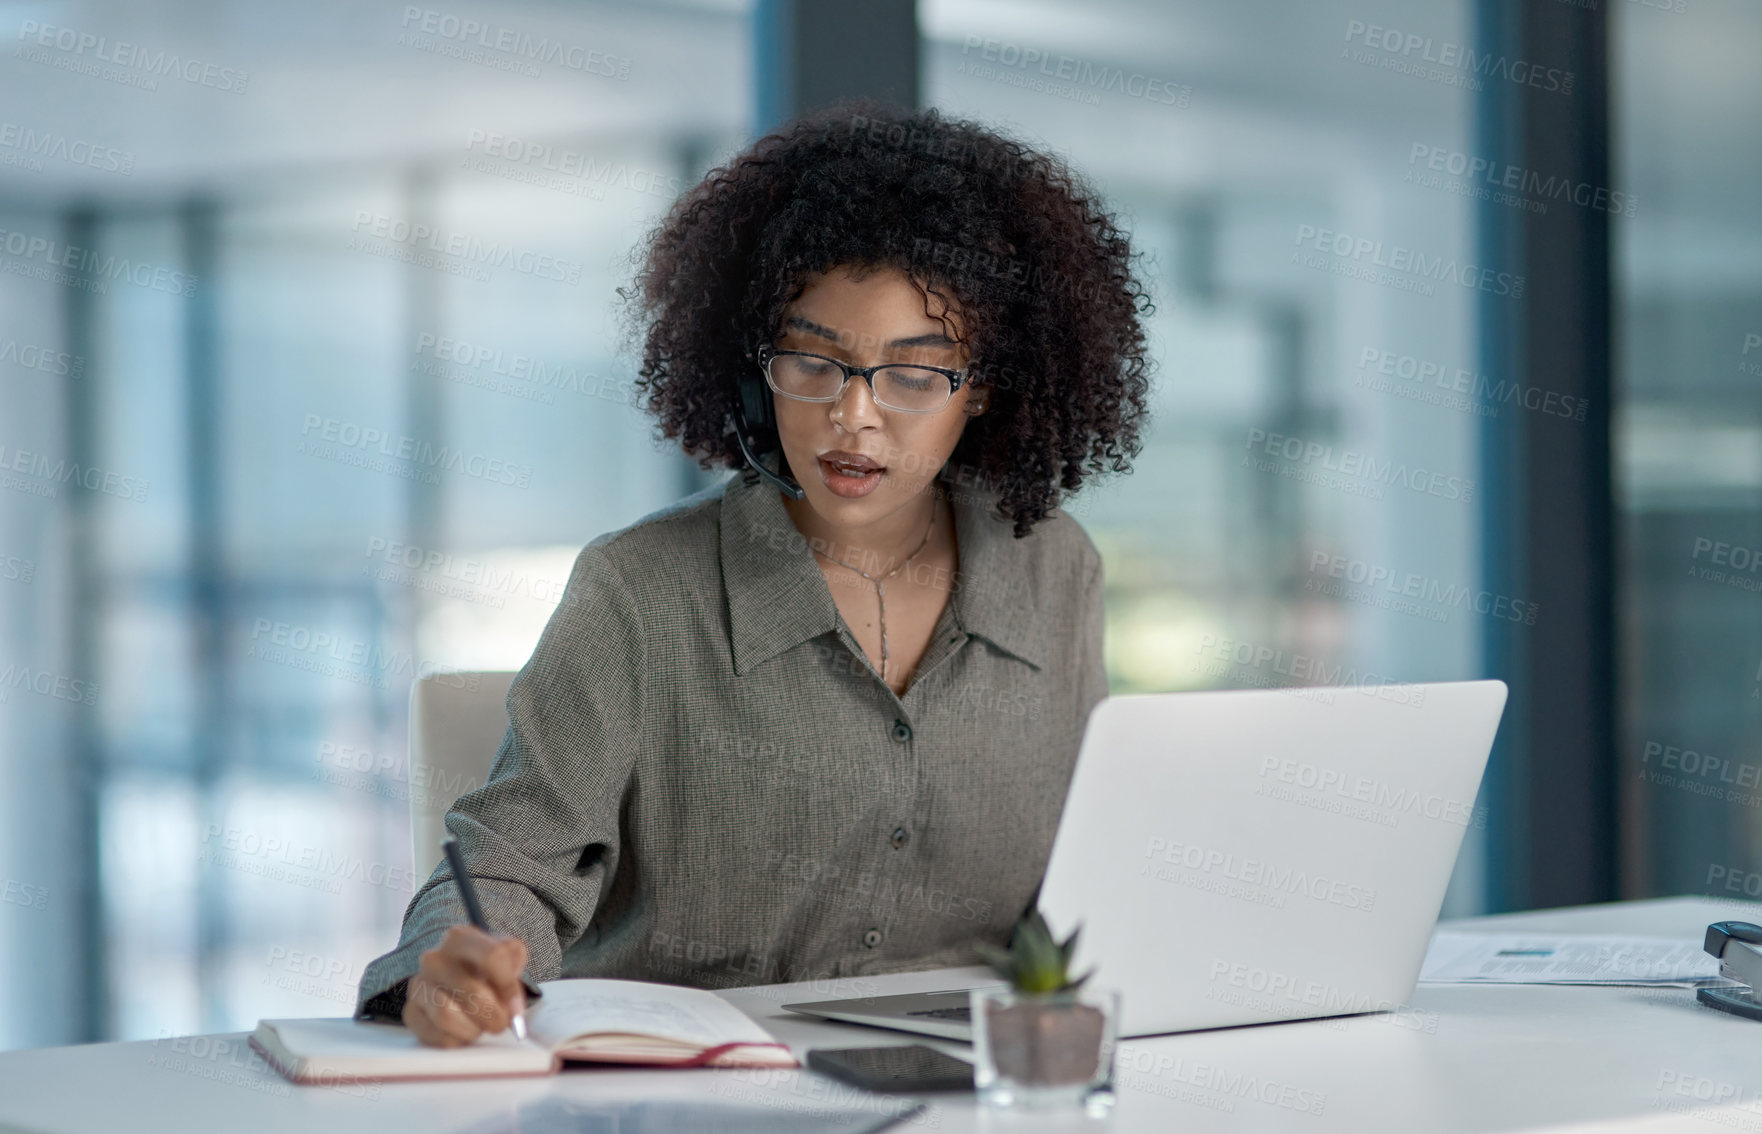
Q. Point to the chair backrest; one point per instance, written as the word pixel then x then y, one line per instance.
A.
pixel 457 722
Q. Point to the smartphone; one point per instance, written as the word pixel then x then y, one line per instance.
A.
pixel 908 1068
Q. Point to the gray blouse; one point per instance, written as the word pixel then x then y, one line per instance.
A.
pixel 705 782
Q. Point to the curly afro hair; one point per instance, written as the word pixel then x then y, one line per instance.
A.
pixel 1040 273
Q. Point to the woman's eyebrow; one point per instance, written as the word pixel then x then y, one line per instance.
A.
pixel 934 339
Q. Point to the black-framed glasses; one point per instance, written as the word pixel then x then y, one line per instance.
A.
pixel 895 386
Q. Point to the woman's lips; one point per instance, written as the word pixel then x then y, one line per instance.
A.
pixel 843 484
pixel 847 459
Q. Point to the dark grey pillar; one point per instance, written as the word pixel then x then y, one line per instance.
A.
pixel 1548 507
pixel 90 1013
pixel 808 53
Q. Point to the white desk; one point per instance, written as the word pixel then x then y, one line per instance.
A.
pixel 1464 1059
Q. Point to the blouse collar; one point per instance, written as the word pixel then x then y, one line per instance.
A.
pixel 778 598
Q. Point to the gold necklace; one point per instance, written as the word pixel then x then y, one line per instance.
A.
pixel 879 595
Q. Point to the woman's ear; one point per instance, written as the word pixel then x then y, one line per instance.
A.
pixel 978 401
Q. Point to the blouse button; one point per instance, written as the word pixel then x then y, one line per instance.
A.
pixel 899 837
pixel 871 938
pixel 902 732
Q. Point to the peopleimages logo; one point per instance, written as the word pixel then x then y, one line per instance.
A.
pixel 62 471
pixel 1714 1101
pixel 28 356
pixel 1731 564
pixel 1736 879
pixel 444 565
pixel 324 652
pixel 131 60
pixel 234 846
pixel 59 686
pixel 349 435
pixel 1693 763
pixel 1281 986
pixel 349 758
pixel 32 145
pixel 24 894
pixel 1158 1071
pixel 1527 182
pixel 1424 588
pixel 1399 258
pixel 462 247
pixel 1463 66
pixel 1357 465
pixel 513 45
pixel 1692 772
pixel 574 164
pixel 1256 872
pixel 1084 76
pixel 1281 997
pixel 1328 678
pixel 1458 380
pixel 1373 793
pixel 85 263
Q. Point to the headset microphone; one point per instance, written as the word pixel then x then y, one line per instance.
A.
pixel 782 480
pixel 754 405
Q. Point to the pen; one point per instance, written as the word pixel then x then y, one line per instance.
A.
pixel 468 892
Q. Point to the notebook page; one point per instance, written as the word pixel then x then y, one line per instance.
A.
pixel 693 1016
pixel 363 1048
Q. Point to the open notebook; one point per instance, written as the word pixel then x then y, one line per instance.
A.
pixel 607 1021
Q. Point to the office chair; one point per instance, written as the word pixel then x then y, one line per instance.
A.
pixel 456 728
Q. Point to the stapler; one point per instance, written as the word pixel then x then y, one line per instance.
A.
pixel 1738 945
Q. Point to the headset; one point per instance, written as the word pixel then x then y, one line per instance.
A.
pixel 754 423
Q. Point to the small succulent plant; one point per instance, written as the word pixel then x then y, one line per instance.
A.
pixel 1034 962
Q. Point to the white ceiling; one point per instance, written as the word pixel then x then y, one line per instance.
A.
pixel 331 88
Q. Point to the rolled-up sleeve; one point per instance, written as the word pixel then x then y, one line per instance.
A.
pixel 541 836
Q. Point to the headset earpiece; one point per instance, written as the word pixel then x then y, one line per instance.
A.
pixel 761 422
pixel 755 430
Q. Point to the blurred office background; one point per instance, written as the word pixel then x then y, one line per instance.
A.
pixel 1509 252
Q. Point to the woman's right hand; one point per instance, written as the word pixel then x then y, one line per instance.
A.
pixel 467 986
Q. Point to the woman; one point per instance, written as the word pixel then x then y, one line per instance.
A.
pixel 818 721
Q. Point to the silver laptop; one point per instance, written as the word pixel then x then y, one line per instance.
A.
pixel 1249 856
